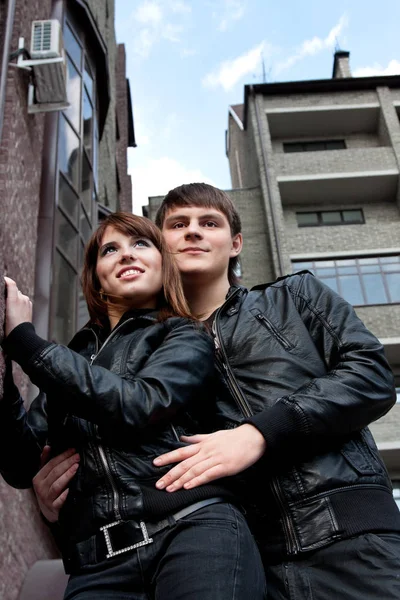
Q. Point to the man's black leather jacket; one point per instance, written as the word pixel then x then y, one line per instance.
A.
pixel 119 403
pixel 308 374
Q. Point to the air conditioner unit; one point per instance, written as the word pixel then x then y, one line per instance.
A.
pixel 48 62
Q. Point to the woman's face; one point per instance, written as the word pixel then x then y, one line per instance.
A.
pixel 130 269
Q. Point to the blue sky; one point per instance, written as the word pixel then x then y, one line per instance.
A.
pixel 188 60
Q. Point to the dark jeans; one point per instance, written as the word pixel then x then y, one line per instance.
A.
pixel 208 555
pixel 366 567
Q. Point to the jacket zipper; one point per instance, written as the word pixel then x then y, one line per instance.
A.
pixel 272 329
pixel 247 412
pixel 224 363
pixel 292 545
pixel 98 446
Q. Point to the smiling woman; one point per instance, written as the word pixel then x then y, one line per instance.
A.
pixel 137 376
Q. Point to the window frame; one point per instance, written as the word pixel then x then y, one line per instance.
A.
pixel 307 146
pixel 321 223
pixel 312 265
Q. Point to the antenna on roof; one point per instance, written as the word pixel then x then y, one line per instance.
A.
pixel 264 76
pixel 337 45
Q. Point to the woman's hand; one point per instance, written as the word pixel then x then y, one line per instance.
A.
pixel 51 482
pixel 18 307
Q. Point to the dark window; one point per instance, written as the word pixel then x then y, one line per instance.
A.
pixel 316 146
pixel 330 217
pixel 361 281
pixel 76 212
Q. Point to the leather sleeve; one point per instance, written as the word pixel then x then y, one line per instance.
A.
pixel 22 435
pixel 178 372
pixel 357 389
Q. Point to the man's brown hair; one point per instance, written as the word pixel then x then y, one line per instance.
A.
pixel 172 299
pixel 203 194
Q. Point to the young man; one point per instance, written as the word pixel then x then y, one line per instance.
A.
pixel 306 379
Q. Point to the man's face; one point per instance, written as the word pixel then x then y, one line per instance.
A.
pixel 201 239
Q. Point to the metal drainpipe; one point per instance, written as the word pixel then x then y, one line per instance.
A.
pixel 271 204
pixel 5 60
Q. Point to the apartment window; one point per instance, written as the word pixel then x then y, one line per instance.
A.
pixel 398 394
pixel 361 281
pixel 238 269
pixel 76 211
pixel 330 217
pixel 316 146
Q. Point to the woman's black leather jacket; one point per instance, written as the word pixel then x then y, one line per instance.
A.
pixel 119 403
pixel 308 374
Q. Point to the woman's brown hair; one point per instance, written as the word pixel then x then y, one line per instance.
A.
pixel 172 299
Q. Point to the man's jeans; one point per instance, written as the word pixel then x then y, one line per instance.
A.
pixel 208 555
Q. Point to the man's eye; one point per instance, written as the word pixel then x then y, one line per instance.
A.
pixel 177 226
pixel 210 224
pixel 141 244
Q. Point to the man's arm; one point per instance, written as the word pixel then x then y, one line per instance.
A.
pixel 357 389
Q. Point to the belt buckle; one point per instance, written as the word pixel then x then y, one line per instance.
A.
pixel 111 552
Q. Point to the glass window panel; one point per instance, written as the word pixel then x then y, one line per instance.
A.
pixel 353 216
pixel 335 145
pixel 332 216
pixel 85 227
pixel 314 146
pixel 350 289
pixel 67 237
pixel 369 268
pixel 81 255
pixel 374 289
pixel 331 281
pixel 68 152
pixel 67 199
pixel 88 79
pixel 370 260
pixel 86 192
pixel 393 281
pixel 391 267
pixel 324 263
pixel 389 259
pixel 346 262
pixel 293 147
pixel 64 286
pixel 325 272
pixel 95 155
pixel 300 266
pixel 72 46
pixel 74 95
pixel 87 124
pixel 307 218
pixel 347 270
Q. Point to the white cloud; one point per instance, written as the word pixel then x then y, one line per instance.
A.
pixel 159 175
pixel 157 20
pixel 229 72
pixel 148 12
pixel 393 68
pixel 314 45
pixel 233 11
pixel 180 7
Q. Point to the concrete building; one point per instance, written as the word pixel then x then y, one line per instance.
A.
pixel 315 176
pixel 60 172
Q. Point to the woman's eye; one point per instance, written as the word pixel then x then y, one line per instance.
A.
pixel 107 250
pixel 141 244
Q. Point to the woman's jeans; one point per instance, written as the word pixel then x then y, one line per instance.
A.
pixel 208 555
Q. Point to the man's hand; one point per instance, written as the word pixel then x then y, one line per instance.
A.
pixel 211 457
pixel 50 483
pixel 18 307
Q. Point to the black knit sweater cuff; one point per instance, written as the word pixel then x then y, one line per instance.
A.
pixel 23 344
pixel 281 425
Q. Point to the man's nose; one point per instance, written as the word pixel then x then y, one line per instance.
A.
pixel 193 231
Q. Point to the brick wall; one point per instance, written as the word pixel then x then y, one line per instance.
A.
pixel 23 537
